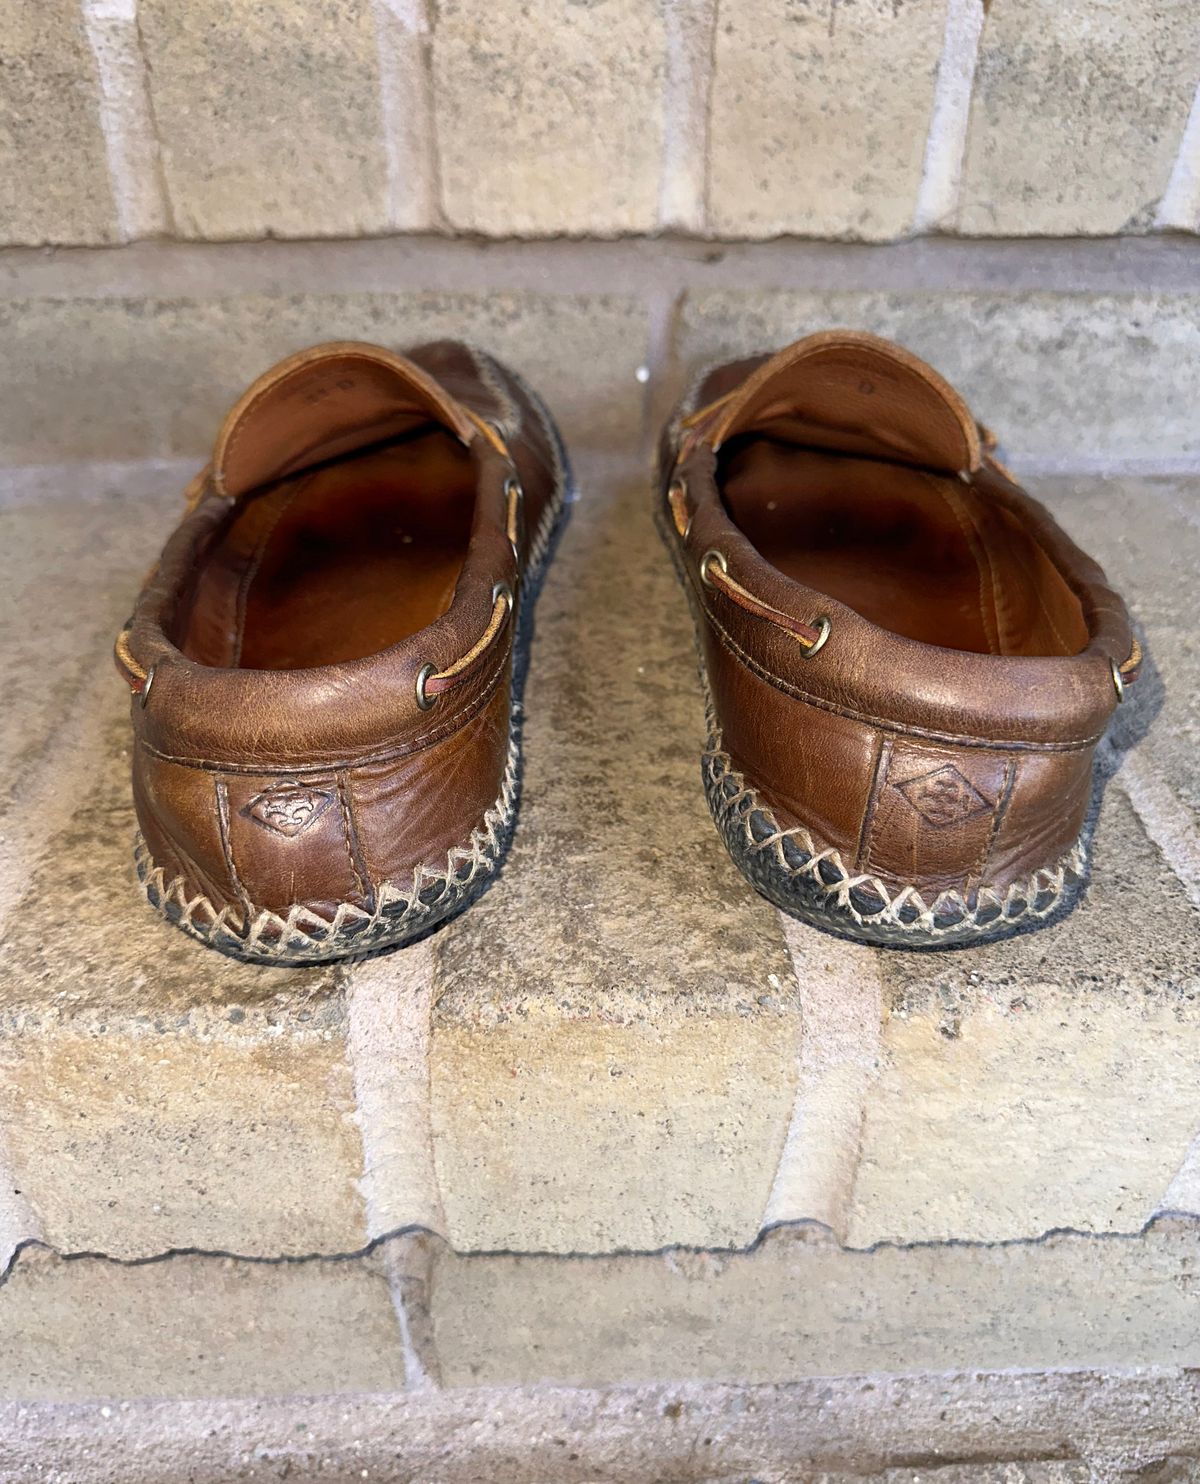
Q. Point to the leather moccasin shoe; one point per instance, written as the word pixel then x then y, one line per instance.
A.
pixel 909 664
pixel 322 664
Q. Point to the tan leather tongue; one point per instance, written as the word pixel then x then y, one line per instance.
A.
pixel 323 403
pixel 845 390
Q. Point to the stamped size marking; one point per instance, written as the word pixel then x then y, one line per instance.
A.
pixel 287 808
pixel 944 797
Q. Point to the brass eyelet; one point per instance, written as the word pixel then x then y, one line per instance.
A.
pixel 425 701
pixel 711 556
pixel 1118 681
pixel 503 590
pixel 824 628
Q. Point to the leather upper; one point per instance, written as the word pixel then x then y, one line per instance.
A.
pixel 353 495
pixel 941 735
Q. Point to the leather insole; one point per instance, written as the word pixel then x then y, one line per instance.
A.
pixel 339 562
pixel 918 553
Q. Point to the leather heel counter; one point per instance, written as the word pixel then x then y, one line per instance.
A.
pixel 292 840
pixel 796 781
pixel 1047 810
pixel 958 818
pixel 939 816
pixel 934 814
pixel 412 811
pixel 252 842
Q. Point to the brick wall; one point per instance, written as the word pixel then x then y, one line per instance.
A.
pixel 848 119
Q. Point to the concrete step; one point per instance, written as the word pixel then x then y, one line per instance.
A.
pixel 797 1305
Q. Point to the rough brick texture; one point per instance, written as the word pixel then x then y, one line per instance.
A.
pixel 1078 114
pixel 819 116
pixel 54 184
pixel 268 117
pixel 338 118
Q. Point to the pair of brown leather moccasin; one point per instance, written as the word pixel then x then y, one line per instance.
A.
pixel 908 664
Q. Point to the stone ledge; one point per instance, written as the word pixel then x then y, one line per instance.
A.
pixel 608 1084
pixel 1146 532
pixel 645 1089
pixel 1111 996
pixel 118 378
pixel 1039 368
pixel 796 1304
pixel 1096 371
pixel 954 1427
pixel 1045 1082
pixel 192 1326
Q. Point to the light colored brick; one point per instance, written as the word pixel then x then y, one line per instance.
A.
pixel 1078 111
pixel 1046 1082
pixel 132 1139
pixel 549 117
pixel 578 1136
pixel 195 1327
pixel 123 378
pixel 622 1073
pixel 268 116
pixel 54 183
pixel 820 111
pixel 90 554
pixel 154 1094
pixel 799 1305
pixel 1061 377
pixel 1147 535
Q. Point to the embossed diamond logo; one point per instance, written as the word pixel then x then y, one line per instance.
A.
pixel 287 808
pixel 943 797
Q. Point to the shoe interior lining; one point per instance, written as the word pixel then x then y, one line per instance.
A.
pixel 338 562
pixel 919 553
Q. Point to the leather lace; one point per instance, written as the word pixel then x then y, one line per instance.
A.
pixel 433 683
pixel 715 573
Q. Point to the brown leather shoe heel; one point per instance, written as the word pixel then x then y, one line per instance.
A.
pixel 324 708
pixel 908 663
